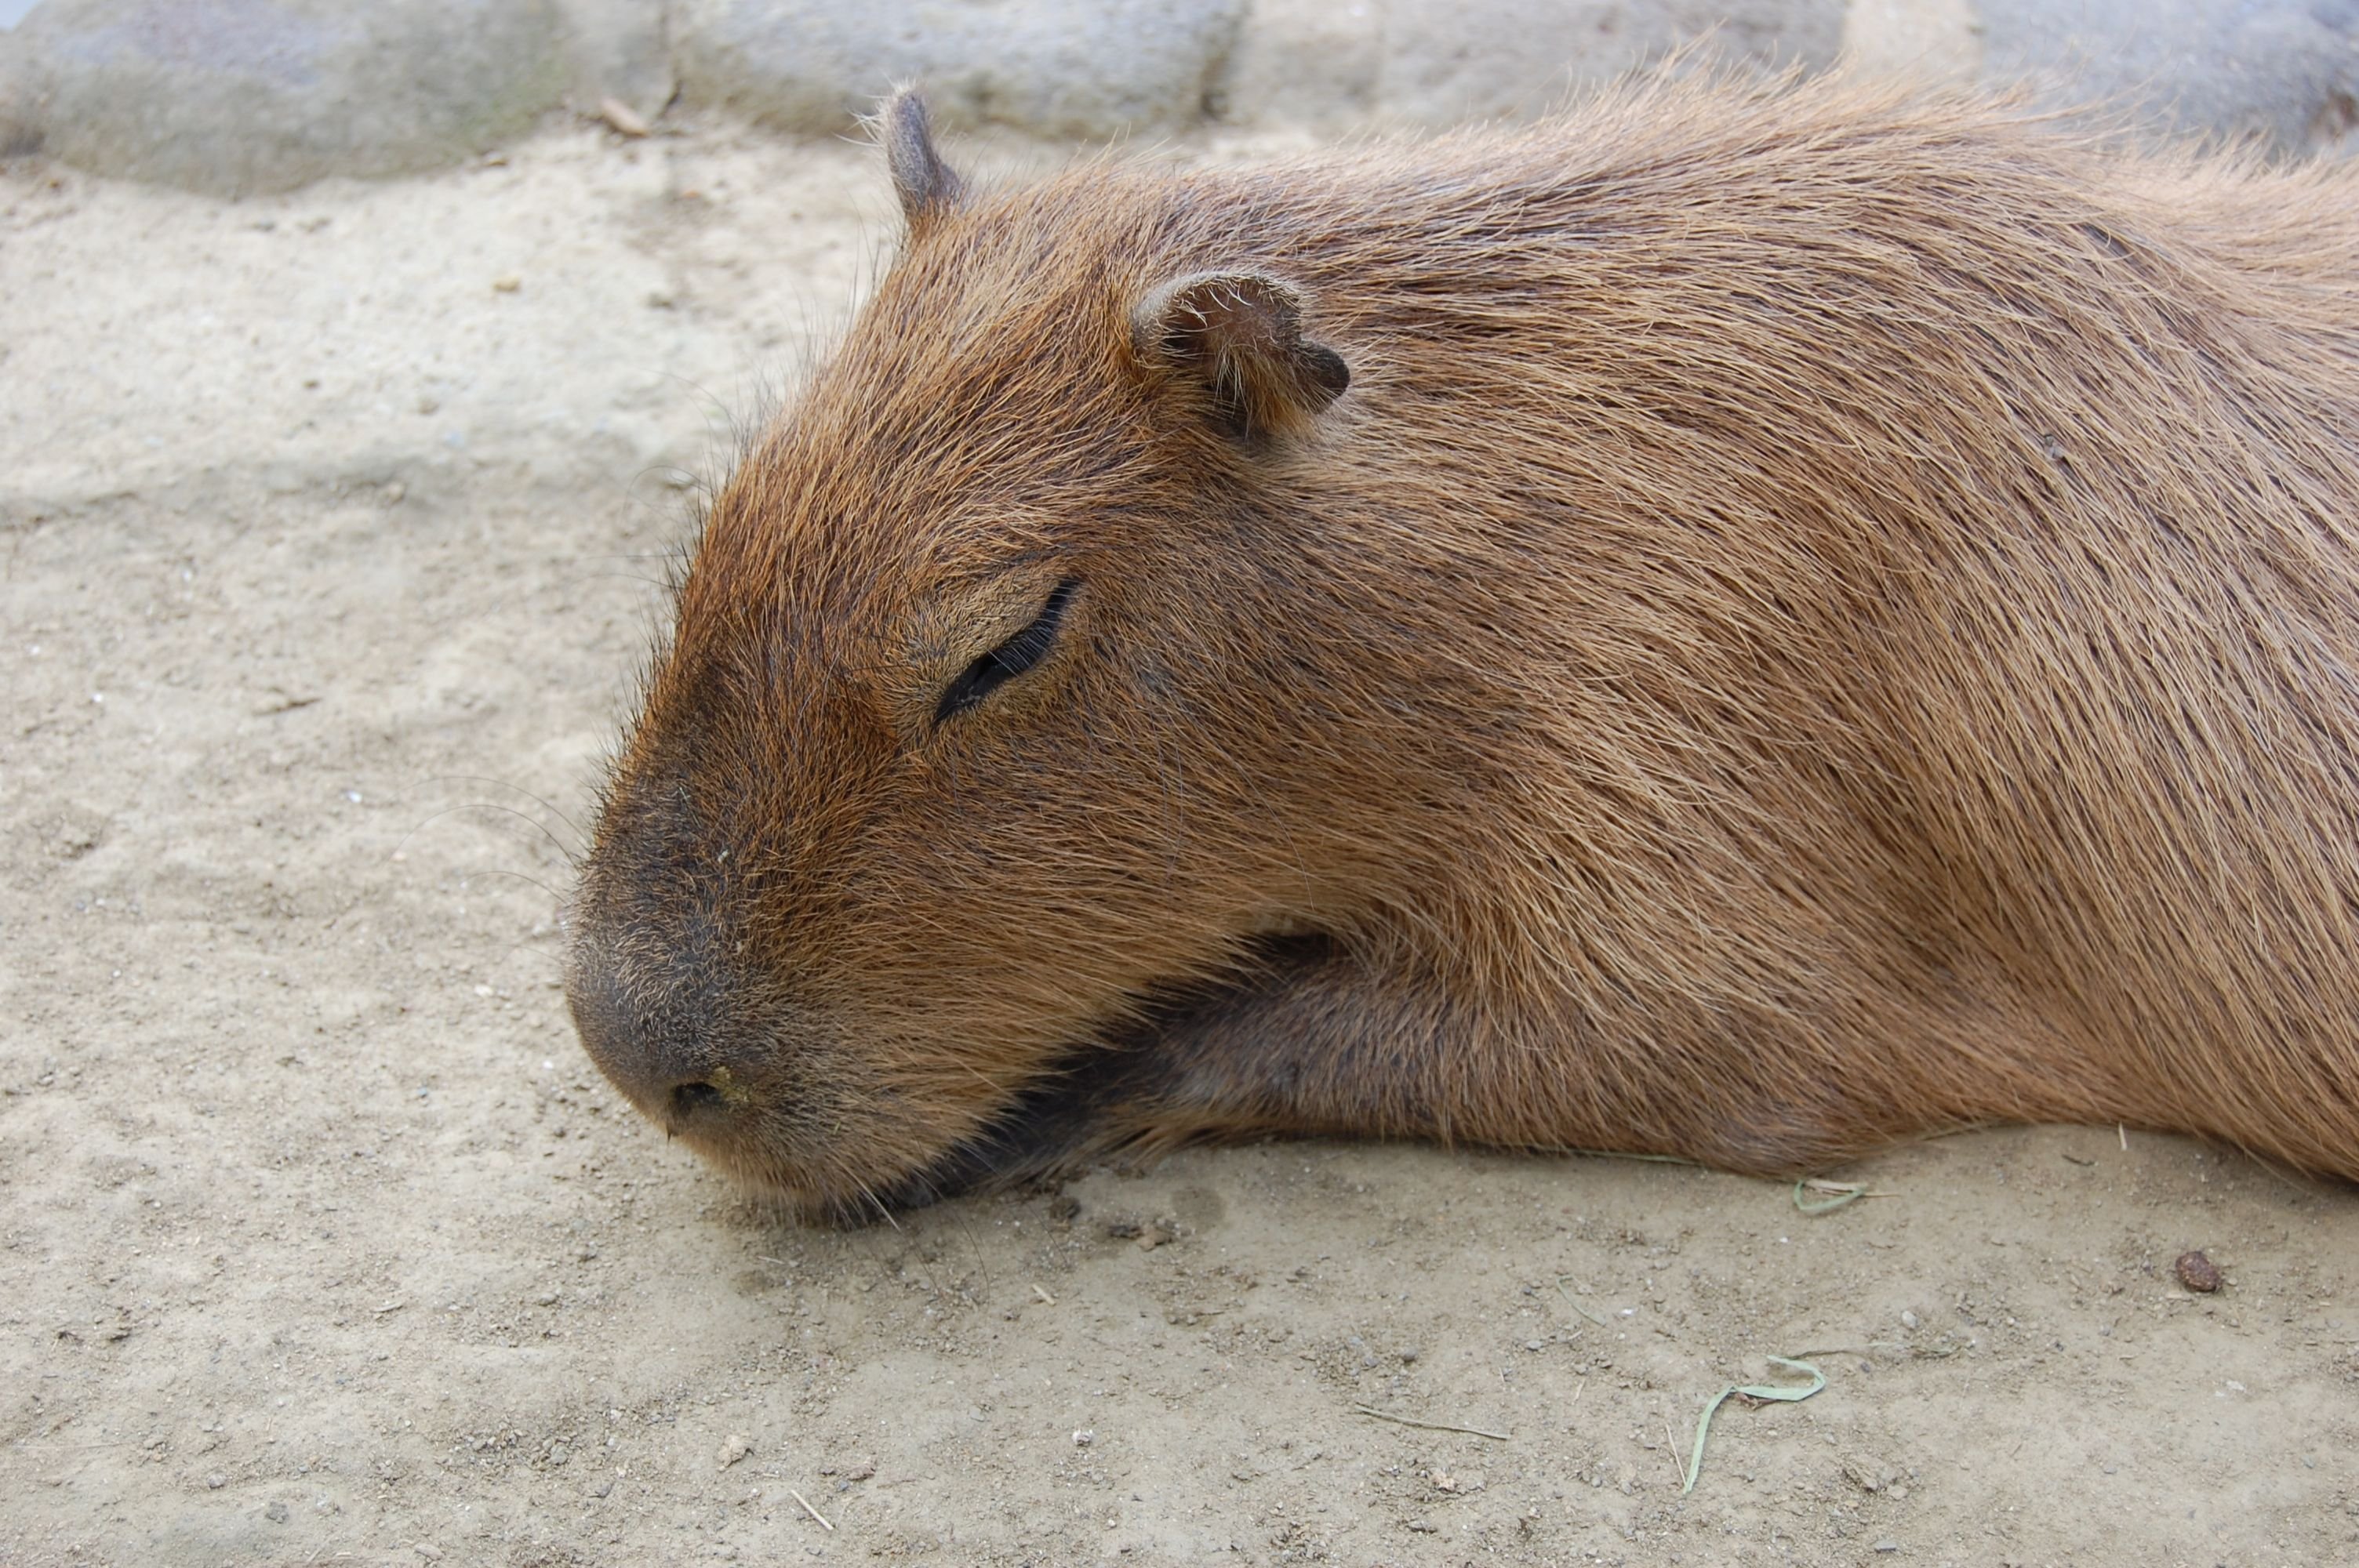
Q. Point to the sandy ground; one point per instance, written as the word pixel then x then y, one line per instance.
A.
pixel 328 527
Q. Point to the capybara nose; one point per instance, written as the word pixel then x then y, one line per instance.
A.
pixel 658 1056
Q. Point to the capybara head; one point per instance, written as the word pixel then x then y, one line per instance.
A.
pixel 920 799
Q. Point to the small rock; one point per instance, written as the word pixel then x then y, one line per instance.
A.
pixel 558 1454
pixel 395 492
pixel 216 1481
pixel 1887 1546
pixel 275 1511
pixel 862 1471
pixel 1532 1345
pixel 622 117
pixel 1153 1237
pixel 1083 1439
pixel 546 1298
pixel 2198 1273
pixel 1425 1527
pixel 1907 1320
pixel 432 1553
pixel 734 1448
pixel 506 283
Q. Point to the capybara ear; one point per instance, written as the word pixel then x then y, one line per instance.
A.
pixel 927 187
pixel 1240 335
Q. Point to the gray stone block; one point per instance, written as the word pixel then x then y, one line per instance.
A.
pixel 20 101
pixel 1438 63
pixel 2283 72
pixel 1922 40
pixel 619 50
pixel 1060 68
pixel 248 95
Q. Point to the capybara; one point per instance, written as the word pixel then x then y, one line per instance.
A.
pixel 1738 624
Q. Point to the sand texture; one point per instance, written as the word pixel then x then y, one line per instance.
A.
pixel 331 533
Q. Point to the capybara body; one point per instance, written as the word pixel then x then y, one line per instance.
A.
pixel 1740 624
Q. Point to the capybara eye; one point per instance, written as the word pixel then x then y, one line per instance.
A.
pixel 1009 660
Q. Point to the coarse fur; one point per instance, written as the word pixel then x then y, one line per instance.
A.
pixel 1822 615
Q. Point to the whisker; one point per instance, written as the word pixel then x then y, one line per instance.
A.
pixel 571 857
pixel 541 801
pixel 519 876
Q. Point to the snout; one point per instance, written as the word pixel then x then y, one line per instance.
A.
pixel 664 1052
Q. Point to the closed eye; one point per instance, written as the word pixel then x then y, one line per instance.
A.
pixel 1009 660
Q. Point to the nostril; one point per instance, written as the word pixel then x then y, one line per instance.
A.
pixel 695 1099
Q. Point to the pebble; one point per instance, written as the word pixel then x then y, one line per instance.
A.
pixel 734 1448
pixel 622 117
pixel 2198 1273
pixel 1907 1320
pixel 216 1481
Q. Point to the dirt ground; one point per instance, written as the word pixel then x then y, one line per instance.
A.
pixel 330 529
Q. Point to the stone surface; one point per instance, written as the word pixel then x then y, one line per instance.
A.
pixel 1059 68
pixel 1437 63
pixel 1929 40
pixel 242 96
pixel 2283 72
pixel 236 96
pixel 619 50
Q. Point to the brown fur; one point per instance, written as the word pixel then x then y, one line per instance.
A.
pixel 1819 617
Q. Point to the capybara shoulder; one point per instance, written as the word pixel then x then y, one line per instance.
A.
pixel 1744 624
